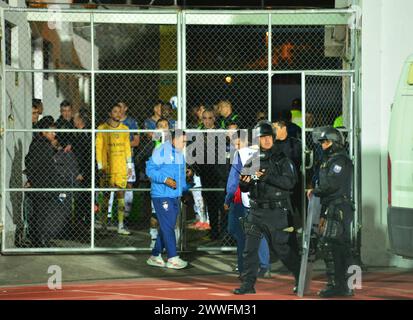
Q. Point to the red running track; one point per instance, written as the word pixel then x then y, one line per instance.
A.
pixel 279 287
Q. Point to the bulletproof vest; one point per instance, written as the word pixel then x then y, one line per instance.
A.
pixel 341 183
pixel 271 162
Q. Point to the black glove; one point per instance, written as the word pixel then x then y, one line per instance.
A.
pixel 245 186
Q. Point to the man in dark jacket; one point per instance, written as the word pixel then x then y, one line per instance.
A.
pixel 65 121
pixel 292 148
pixel 212 172
pixel 47 167
pixel 82 148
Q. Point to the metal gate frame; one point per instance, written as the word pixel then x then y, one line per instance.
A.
pixel 181 19
pixel 353 144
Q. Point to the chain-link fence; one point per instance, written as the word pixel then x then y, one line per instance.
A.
pixel 74 66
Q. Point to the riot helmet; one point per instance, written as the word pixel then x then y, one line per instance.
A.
pixel 264 128
pixel 328 133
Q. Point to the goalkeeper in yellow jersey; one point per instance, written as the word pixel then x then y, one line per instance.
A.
pixel 114 160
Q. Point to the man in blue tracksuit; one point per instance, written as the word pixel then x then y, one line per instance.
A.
pixel 167 172
pixel 238 209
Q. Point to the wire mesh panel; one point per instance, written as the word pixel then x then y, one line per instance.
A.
pixel 140 92
pixel 304 48
pixel 56 40
pixel 51 210
pixel 311 41
pixel 75 66
pixel 247 94
pixel 127 46
pixel 328 102
pixel 327 98
pixel 46 220
pixel 226 47
pixel 24 111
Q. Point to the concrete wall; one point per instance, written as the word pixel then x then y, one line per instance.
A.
pixel 386 43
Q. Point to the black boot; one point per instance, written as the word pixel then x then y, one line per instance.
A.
pixel 330 292
pixel 244 290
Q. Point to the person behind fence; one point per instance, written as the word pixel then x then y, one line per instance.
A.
pixel 337 211
pixel 38 104
pixel 226 113
pixel 292 149
pixel 237 206
pixel 293 129
pixel 65 121
pixel 82 148
pixel 35 116
pixel 196 116
pixel 213 175
pixel 269 189
pixel 47 167
pixel 134 142
pixel 114 160
pixel 167 172
pixel 150 123
pixel 169 113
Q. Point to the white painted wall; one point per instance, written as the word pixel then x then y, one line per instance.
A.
pixel 386 43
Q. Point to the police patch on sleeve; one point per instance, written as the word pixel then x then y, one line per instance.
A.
pixel 337 168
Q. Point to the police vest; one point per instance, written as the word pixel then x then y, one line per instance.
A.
pixel 338 164
pixel 297 118
pixel 276 164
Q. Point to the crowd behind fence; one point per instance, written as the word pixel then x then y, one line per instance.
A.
pixel 208 77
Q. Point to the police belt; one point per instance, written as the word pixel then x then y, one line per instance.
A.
pixel 271 204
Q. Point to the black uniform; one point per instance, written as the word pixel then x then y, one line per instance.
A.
pixel 292 148
pixel 268 217
pixel 334 189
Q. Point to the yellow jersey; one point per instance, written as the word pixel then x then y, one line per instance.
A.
pixel 113 150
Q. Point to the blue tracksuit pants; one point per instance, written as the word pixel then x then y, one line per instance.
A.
pixel 167 210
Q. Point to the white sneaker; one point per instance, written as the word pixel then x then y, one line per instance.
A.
pixel 156 261
pixel 176 263
pixel 123 231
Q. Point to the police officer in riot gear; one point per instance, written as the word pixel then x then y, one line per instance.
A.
pixel 269 189
pixel 337 212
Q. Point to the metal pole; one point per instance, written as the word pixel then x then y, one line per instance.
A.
pixel 183 65
pixel 93 124
pixel 182 90
pixel 304 144
pixel 181 116
pixel 3 127
pixel 269 67
pixel 82 71
pixel 351 138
